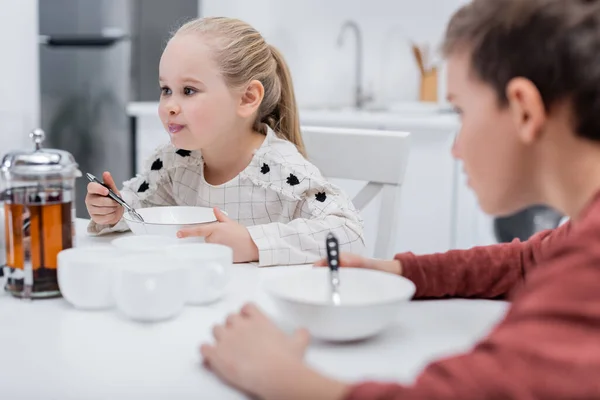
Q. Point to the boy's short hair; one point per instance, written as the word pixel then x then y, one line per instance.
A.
pixel 553 43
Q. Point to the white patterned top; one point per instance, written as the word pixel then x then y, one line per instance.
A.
pixel 283 200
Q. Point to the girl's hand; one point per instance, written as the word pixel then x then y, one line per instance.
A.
pixel 226 232
pixel 102 209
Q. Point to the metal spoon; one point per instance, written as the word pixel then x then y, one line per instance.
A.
pixel 117 198
pixel 333 257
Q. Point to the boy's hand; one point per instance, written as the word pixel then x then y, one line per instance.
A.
pixel 356 261
pixel 249 349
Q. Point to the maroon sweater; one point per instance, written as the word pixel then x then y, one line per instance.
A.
pixel 547 346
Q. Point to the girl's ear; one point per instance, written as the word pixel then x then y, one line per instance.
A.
pixel 251 99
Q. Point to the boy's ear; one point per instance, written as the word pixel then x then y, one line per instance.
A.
pixel 527 109
pixel 251 98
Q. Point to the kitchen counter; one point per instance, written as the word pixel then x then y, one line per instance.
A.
pixel 413 117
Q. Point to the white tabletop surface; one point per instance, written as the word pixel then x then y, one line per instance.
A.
pixel 49 350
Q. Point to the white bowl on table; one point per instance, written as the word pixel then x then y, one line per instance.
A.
pixel 370 301
pixel 167 221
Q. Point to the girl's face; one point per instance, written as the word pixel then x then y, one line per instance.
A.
pixel 196 107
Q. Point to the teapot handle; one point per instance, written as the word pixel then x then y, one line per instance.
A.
pixel 3 251
pixel 3 197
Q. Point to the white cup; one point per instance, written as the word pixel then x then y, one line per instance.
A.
pixel 86 274
pixel 207 269
pixel 150 287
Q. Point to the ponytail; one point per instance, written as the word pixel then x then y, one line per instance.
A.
pixel 284 118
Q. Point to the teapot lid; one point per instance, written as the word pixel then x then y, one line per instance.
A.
pixel 39 164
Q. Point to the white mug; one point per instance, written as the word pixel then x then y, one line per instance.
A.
pixel 207 268
pixel 149 287
pixel 86 275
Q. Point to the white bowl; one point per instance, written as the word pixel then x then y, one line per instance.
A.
pixel 166 221
pixel 85 276
pixel 370 301
pixel 207 269
pixel 144 243
pixel 150 287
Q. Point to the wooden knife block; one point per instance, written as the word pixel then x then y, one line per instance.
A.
pixel 429 85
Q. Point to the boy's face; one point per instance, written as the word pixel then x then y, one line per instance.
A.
pixel 494 157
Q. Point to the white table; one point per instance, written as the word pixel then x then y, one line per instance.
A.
pixel 49 350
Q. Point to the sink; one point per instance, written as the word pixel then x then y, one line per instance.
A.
pixel 347 109
pixel 402 108
pixel 412 117
pixel 420 108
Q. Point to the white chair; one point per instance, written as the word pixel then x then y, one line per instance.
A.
pixel 375 156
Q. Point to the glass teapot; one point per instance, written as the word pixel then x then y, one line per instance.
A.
pixel 38 190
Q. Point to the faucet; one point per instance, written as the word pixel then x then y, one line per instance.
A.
pixel 360 97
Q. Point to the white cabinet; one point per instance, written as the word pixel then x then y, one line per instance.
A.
pixel 436 214
pixel 150 135
pixel 426 205
pixel 473 226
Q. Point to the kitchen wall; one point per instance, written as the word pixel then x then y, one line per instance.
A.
pixel 19 93
pixel 152 24
pixel 307 31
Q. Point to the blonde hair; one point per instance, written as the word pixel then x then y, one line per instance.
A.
pixel 243 55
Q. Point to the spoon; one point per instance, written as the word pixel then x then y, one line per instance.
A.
pixel 333 257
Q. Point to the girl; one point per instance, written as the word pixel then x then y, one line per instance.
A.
pixel 228 104
pixel 525 78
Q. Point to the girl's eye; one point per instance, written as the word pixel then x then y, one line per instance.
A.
pixel 165 91
pixel 188 91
